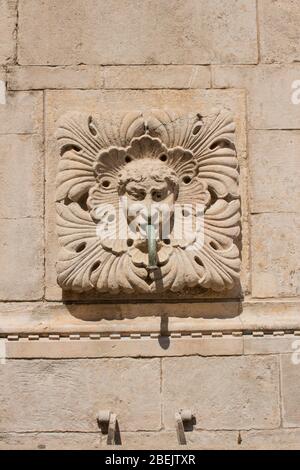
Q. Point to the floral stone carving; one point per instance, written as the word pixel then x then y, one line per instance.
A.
pixel 111 175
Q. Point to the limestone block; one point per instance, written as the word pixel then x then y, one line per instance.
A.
pixel 135 32
pixel 110 77
pixel 67 395
pixel 270 93
pixel 270 315
pixel 21 176
pixel 21 258
pixel 275 255
pixel 274 170
pixel 157 76
pixel 279 30
pixel 95 102
pixel 275 439
pixel 290 387
pixel 38 78
pixel 8 22
pixel 223 393
pixel 22 113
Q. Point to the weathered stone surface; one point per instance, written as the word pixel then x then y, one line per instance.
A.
pixel 270 315
pixel 270 93
pixel 8 22
pixel 275 171
pixel 275 255
pixel 3 73
pixel 21 258
pixel 38 78
pixel 133 32
pixel 290 386
pixel 224 393
pixel 157 76
pixel 161 346
pixel 52 441
pixel 275 439
pixel 22 113
pixel 269 344
pixel 94 102
pixel 67 395
pixel 203 440
pixel 279 30
pixel 110 77
pixel 21 176
pixel 158 318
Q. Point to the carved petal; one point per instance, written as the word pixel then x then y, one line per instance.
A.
pixel 80 140
pixel 80 247
pixel 85 264
pixel 219 256
pixel 210 139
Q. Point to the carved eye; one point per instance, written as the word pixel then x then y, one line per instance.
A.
pixel 186 213
pixel 137 195
pixel 163 157
pixel 128 159
pixel 157 196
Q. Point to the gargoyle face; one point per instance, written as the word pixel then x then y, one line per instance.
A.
pixel 149 189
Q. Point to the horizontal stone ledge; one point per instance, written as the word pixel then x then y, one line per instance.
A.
pixel 154 345
pixel 129 440
pixel 284 439
pixel 85 347
pixel 145 318
pixel 108 77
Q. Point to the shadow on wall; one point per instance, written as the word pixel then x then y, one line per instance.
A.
pixel 209 308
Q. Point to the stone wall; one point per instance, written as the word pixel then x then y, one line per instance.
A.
pixel 229 357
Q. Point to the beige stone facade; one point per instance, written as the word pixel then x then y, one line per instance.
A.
pixel 231 356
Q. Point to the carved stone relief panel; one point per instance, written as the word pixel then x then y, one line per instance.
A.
pixel 147 203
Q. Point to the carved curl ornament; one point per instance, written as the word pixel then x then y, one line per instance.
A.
pixel 150 159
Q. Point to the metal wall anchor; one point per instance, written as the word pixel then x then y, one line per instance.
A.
pixel 181 417
pixel 107 422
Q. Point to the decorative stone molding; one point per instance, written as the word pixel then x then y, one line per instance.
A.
pixel 156 158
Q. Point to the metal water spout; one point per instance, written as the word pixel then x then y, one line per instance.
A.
pixel 152 246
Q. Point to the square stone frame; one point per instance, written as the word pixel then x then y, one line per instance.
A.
pixel 104 102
